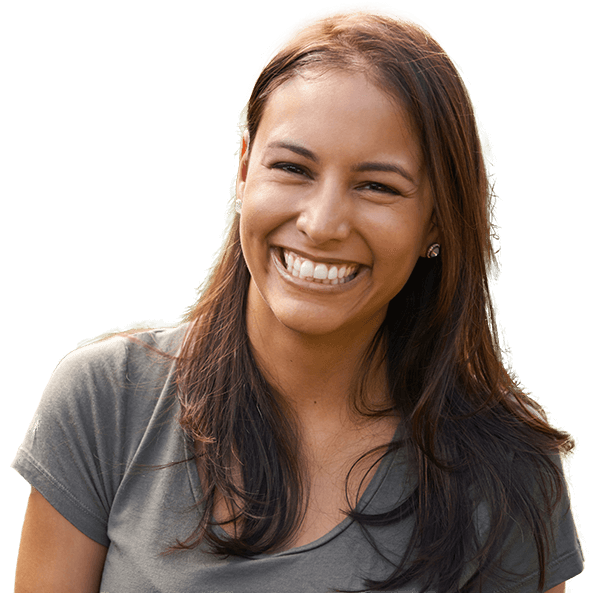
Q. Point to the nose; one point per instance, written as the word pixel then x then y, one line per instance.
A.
pixel 325 214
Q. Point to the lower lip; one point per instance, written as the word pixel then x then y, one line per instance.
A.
pixel 316 287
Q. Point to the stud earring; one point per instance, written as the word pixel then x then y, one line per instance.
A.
pixel 238 205
pixel 434 250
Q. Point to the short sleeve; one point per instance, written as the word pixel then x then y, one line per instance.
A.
pixel 73 452
pixel 519 560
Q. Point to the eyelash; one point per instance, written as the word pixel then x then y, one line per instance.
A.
pixel 374 186
pixel 381 188
pixel 291 168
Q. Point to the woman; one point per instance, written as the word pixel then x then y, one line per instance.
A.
pixel 334 415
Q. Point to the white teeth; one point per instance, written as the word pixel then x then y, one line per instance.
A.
pixel 307 269
pixel 322 273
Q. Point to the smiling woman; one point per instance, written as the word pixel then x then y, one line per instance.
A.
pixel 334 414
pixel 334 177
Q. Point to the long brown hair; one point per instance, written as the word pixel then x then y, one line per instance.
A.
pixel 464 413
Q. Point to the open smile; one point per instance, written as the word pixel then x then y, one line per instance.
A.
pixel 307 269
pixel 312 272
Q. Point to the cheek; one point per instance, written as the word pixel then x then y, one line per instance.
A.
pixel 266 208
pixel 258 221
pixel 397 245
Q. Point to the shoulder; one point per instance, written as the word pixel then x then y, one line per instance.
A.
pixel 86 377
pixel 166 340
pixel 91 420
pixel 121 377
pixel 112 359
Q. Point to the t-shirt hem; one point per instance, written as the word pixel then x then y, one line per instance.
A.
pixel 571 564
pixel 60 498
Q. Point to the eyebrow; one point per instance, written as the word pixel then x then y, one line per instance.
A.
pixel 308 154
pixel 386 167
pixel 358 168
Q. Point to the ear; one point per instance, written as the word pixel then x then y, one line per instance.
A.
pixel 242 164
pixel 432 235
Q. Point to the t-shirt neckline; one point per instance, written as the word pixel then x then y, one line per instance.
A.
pixel 368 494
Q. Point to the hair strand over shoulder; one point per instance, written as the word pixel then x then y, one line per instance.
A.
pixel 474 437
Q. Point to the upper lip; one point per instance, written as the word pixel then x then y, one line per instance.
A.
pixel 319 259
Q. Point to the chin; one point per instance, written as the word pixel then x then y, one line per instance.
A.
pixel 317 323
pixel 309 326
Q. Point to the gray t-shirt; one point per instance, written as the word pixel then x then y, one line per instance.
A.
pixel 107 419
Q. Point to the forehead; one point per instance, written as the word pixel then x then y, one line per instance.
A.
pixel 338 109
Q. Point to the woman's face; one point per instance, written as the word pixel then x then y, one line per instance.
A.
pixel 336 205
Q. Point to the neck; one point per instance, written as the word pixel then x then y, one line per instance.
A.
pixel 314 374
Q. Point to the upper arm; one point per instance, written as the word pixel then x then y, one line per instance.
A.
pixel 54 555
pixel 558 589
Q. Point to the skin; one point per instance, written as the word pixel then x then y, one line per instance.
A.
pixel 558 589
pixel 321 207
pixel 54 555
pixel 307 339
